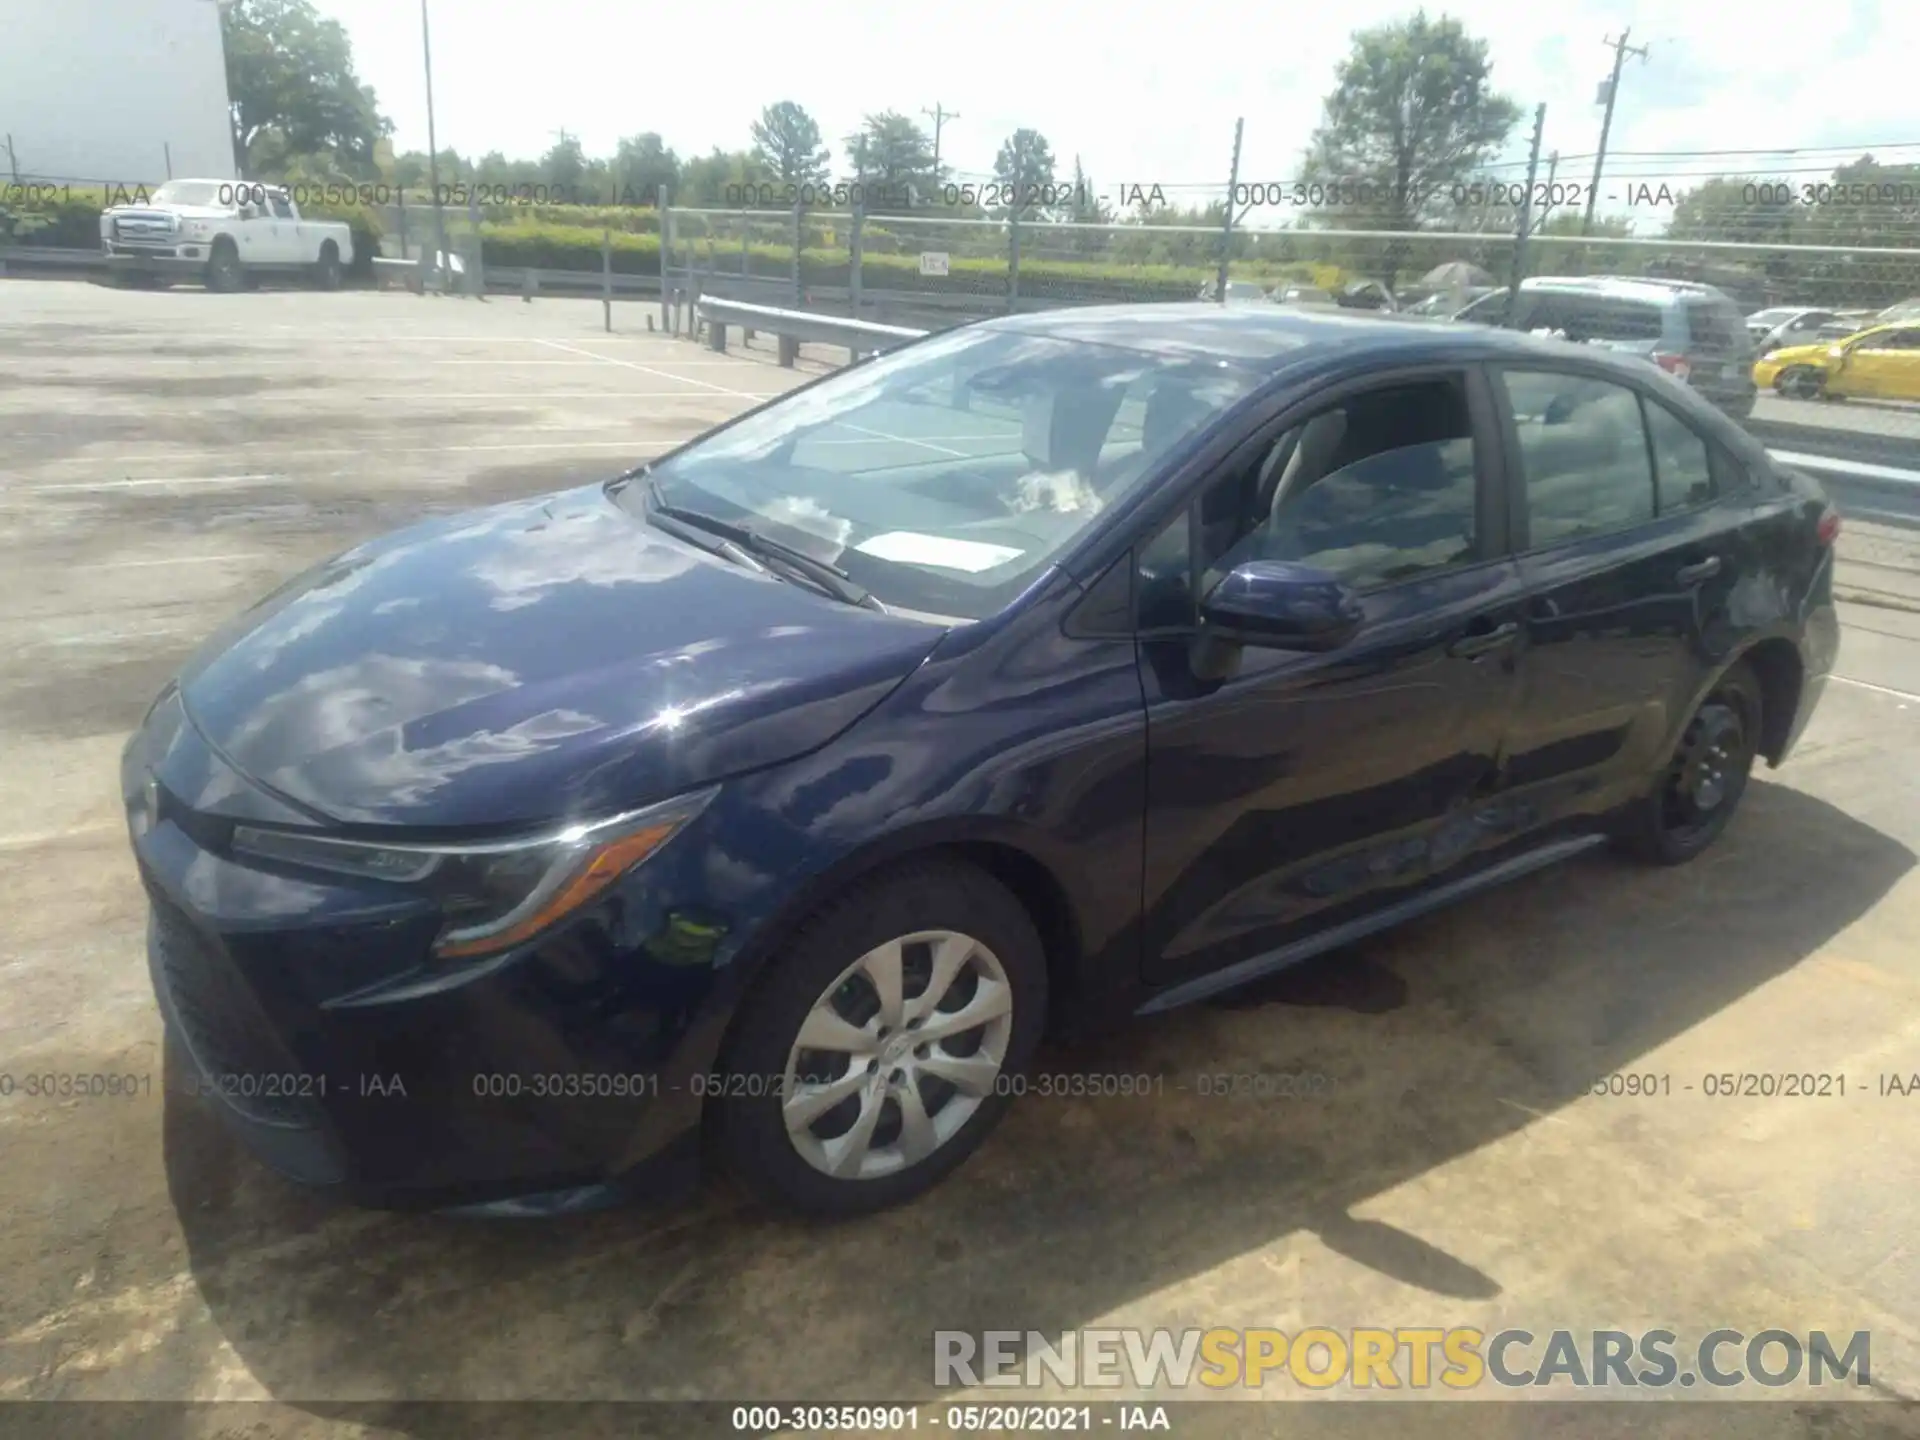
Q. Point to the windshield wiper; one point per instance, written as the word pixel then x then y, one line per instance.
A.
pixel 759 546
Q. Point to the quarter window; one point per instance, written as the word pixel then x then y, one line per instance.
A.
pixel 1583 455
pixel 1680 459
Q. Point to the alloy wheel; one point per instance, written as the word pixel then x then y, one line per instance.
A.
pixel 1708 768
pixel 897 1054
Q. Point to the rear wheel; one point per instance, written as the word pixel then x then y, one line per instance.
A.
pixel 225 273
pixel 877 1052
pixel 1704 781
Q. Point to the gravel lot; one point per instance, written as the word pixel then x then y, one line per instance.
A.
pixel 169 457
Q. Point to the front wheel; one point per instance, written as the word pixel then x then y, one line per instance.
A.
pixel 878 1052
pixel 1799 382
pixel 1696 795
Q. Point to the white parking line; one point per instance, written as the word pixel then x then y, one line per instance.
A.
pixel 1881 689
pixel 48 837
pixel 651 370
pixel 124 484
pixel 903 440
pixel 178 560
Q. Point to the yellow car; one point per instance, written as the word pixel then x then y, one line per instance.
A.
pixel 1882 362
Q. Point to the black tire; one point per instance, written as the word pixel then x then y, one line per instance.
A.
pixel 1694 796
pixel 750 1128
pixel 225 273
pixel 326 271
pixel 1799 382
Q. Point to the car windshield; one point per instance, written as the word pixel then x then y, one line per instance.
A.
pixel 188 192
pixel 945 476
pixel 1772 317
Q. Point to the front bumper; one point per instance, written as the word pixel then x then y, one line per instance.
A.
pixel 181 261
pixel 562 1074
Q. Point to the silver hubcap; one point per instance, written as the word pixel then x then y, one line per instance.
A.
pixel 897 1054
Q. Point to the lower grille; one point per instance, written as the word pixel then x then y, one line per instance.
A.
pixel 229 1038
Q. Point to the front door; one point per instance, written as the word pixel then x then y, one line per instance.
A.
pixel 1306 788
pixel 1883 366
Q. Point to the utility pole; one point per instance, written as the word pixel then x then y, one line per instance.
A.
pixel 1523 226
pixel 433 150
pixel 1620 52
pixel 1226 230
pixel 939 116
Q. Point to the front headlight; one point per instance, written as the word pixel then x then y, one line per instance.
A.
pixel 497 894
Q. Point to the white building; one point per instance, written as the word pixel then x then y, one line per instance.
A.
pixel 120 91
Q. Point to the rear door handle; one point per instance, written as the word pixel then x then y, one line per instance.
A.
pixel 1486 641
pixel 1706 569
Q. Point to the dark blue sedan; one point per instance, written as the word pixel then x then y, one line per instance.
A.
pixel 768 802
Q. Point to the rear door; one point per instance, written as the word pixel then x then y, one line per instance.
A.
pixel 1718 351
pixel 1630 544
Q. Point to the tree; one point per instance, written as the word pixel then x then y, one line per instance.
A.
pixel 1024 170
pixel 786 141
pixel 563 169
pixel 641 165
pixel 894 159
pixel 292 87
pixel 1412 113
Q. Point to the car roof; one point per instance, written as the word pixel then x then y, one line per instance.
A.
pixel 1275 338
pixel 1649 289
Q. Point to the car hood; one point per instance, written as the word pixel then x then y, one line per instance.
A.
pixel 1800 354
pixel 547 658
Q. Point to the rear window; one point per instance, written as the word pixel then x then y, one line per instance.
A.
pixel 1583 318
pixel 1714 327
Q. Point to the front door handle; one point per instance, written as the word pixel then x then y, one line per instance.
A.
pixel 1690 575
pixel 1486 641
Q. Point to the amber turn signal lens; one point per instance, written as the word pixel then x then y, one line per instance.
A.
pixel 606 865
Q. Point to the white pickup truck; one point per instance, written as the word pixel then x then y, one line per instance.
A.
pixel 223 232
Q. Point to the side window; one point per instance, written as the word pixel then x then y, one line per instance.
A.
pixel 1583 455
pixel 1710 327
pixel 1377 489
pixel 1680 458
pixel 281 209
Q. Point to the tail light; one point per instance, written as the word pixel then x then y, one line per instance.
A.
pixel 1675 365
pixel 1828 529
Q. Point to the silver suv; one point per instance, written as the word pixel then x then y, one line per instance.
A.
pixel 1694 332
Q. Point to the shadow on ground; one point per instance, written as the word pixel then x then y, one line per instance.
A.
pixel 1435 1041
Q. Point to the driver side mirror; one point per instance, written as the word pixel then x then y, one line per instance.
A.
pixel 1278 605
pixel 248 210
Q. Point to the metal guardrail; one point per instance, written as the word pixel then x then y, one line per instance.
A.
pixel 795 328
pixel 29 258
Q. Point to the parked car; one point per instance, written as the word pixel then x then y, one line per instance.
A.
pixel 1694 332
pixel 224 233
pixel 1786 325
pixel 769 801
pixel 1239 292
pixel 1903 310
pixel 1882 363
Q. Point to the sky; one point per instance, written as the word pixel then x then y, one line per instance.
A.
pixel 1142 92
